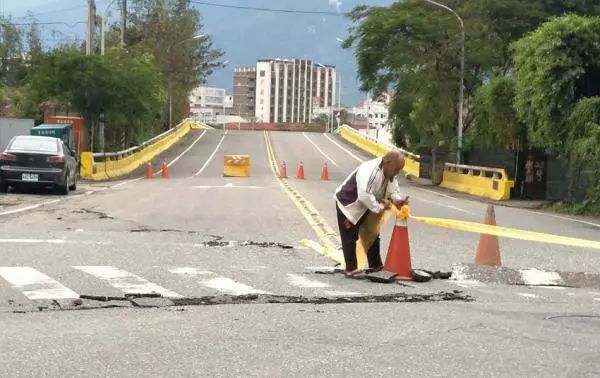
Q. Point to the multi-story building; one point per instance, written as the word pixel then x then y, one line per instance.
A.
pixel 207 103
pixel 244 91
pixel 374 110
pixel 284 90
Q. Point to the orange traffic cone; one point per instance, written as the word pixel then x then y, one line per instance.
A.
pixel 165 170
pixel 283 173
pixel 488 249
pixel 325 172
pixel 300 175
pixel 149 173
pixel 398 256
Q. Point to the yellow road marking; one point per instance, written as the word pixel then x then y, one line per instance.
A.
pixel 324 232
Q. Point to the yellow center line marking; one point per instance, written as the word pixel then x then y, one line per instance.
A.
pixel 322 229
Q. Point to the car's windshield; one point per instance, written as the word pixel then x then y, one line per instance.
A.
pixel 33 144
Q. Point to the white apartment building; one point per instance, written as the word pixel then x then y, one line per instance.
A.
pixel 374 110
pixel 206 103
pixel 285 90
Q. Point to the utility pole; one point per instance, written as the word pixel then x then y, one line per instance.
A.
pixel 90 27
pixel 123 21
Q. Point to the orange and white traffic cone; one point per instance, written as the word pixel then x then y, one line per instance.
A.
pixel 398 256
pixel 165 170
pixel 300 175
pixel 149 173
pixel 325 172
pixel 488 249
pixel 283 173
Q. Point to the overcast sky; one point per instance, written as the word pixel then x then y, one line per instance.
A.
pixel 244 35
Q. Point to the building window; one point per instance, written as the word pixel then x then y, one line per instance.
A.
pixel 262 73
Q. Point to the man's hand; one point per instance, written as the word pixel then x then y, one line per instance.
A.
pixel 401 202
pixel 386 204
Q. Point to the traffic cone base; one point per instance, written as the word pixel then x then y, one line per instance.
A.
pixel 149 173
pixel 325 172
pixel 398 256
pixel 300 175
pixel 488 249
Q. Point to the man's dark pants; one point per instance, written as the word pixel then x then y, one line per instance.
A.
pixel 349 237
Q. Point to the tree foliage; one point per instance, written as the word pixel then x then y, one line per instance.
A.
pixel 495 122
pixel 413 47
pixel 556 66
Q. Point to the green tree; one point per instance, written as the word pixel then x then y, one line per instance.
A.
pixel 495 122
pixel 165 28
pixel 413 47
pixel 557 76
pixel 124 85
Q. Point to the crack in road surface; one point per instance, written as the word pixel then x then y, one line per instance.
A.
pixel 151 300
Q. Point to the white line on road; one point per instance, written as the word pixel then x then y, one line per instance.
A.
pixel 528 295
pixel 189 271
pixel 566 218
pixel 342 293
pixel 229 286
pixel 187 149
pixel 343 148
pixel 320 150
pixel 539 277
pixel 211 155
pixel 437 193
pixel 52 241
pixel 447 206
pixel 298 280
pixel 127 282
pixel 34 284
pixel 229 185
pixel 20 210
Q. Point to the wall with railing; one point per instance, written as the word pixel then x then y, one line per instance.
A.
pixel 110 165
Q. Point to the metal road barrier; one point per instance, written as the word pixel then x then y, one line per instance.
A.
pixel 236 166
pixel 374 147
pixel 105 166
pixel 479 181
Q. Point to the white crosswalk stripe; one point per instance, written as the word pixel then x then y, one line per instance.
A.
pixel 228 286
pixel 300 281
pixel 127 282
pixel 221 284
pixel 35 285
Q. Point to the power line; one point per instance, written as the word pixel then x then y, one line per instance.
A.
pixel 69 24
pixel 275 10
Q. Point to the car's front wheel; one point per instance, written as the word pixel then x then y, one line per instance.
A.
pixel 73 186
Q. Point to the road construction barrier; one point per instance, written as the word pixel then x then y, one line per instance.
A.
pixel 371 145
pixel 485 182
pixel 236 166
pixel 106 166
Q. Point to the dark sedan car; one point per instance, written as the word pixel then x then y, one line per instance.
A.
pixel 38 161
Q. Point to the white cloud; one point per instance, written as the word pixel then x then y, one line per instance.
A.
pixel 336 3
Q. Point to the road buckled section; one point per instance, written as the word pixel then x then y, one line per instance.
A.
pixel 324 231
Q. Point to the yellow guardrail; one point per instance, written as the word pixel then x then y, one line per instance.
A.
pixel 377 148
pixel 121 163
pixel 236 166
pixel 485 182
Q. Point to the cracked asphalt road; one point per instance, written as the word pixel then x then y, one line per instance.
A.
pixel 218 250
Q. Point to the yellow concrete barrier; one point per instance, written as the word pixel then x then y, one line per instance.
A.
pixel 236 166
pixel 125 162
pixel 484 182
pixel 374 147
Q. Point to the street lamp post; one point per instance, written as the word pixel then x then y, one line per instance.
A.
pixel 462 78
pixel 170 95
